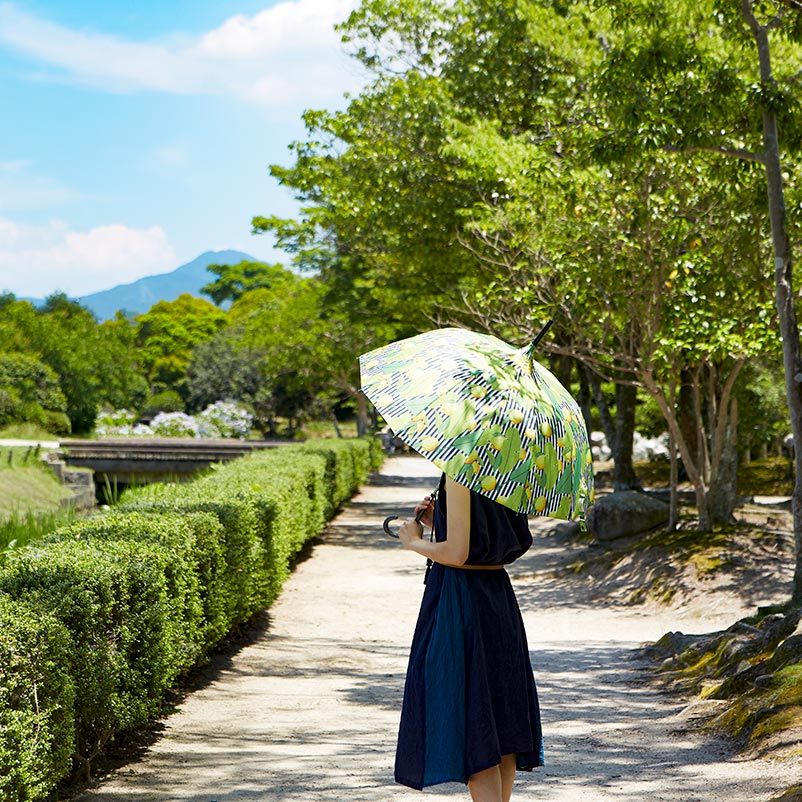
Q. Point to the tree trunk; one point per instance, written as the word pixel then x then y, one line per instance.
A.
pixel 673 478
pixel 562 367
pixel 361 414
pixel 723 492
pixel 723 417
pixel 686 413
pixel 697 480
pixel 607 422
pixel 624 477
pixel 783 279
pixel 585 398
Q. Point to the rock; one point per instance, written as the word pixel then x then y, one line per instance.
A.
pixel 625 513
pixel 763 681
pixel 736 651
pixel 780 626
pixel 667 648
pixel 789 651
pixel 791 795
pixel 742 628
pixel 644 448
pixel 565 529
pixel 599 447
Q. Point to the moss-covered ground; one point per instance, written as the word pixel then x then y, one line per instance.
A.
pixel 749 675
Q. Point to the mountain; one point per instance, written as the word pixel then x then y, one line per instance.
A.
pixel 140 295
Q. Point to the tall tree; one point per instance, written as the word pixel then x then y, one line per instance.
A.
pixel 233 281
pixel 166 335
pixel 723 79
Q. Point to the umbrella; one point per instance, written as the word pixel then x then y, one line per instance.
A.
pixel 488 415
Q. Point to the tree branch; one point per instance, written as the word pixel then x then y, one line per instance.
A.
pixel 738 153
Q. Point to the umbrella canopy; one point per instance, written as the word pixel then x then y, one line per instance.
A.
pixel 486 414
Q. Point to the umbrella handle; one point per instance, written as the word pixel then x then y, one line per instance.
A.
pixel 386 524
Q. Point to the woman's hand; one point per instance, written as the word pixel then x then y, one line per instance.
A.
pixel 410 533
pixel 427 508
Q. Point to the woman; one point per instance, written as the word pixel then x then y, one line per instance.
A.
pixel 470 711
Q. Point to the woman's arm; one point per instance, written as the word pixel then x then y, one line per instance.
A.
pixel 453 550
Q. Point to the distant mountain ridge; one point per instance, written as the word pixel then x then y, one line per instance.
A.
pixel 140 295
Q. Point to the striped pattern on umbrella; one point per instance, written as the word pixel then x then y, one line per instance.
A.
pixel 479 410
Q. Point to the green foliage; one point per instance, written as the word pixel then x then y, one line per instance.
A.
pixel 288 352
pixel 37 695
pixel 233 281
pixel 165 401
pixel 130 599
pixel 166 335
pixel 29 391
pixel 95 364
pixel 762 408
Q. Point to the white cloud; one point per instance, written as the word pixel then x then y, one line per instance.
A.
pixel 277 56
pixel 36 260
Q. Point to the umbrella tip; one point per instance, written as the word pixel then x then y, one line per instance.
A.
pixel 540 335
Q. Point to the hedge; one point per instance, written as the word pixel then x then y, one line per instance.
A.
pixel 101 618
pixel 36 701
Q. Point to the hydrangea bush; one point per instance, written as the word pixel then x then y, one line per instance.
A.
pixel 115 423
pixel 221 419
pixel 224 419
pixel 174 424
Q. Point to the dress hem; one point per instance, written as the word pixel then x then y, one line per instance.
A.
pixel 464 780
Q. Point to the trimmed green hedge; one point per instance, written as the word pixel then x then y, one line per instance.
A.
pixel 36 702
pixel 101 618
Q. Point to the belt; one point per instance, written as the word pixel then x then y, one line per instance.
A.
pixel 478 567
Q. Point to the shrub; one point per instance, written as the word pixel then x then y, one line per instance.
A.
pixel 166 401
pixel 37 730
pixel 110 422
pixel 174 424
pixel 128 600
pixel 115 604
pixel 30 390
pixel 242 521
pixel 57 422
pixel 224 419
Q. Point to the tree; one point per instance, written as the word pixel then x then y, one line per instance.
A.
pixel 94 363
pixel 705 93
pixel 166 335
pixel 651 272
pixel 30 392
pixel 235 280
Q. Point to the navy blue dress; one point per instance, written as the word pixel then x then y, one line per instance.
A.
pixel 470 696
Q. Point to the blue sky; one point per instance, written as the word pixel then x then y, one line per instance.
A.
pixel 137 135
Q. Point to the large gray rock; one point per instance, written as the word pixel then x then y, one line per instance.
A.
pixel 625 513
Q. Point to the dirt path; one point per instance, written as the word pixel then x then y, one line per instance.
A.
pixel 309 711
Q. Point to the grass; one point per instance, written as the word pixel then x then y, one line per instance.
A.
pixel 31 498
pixel 317 429
pixel 19 530
pixel 771 477
pixel 27 487
pixel 27 431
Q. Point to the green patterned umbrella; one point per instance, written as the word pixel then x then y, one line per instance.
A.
pixel 487 415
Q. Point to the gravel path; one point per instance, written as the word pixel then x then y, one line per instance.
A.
pixel 309 710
